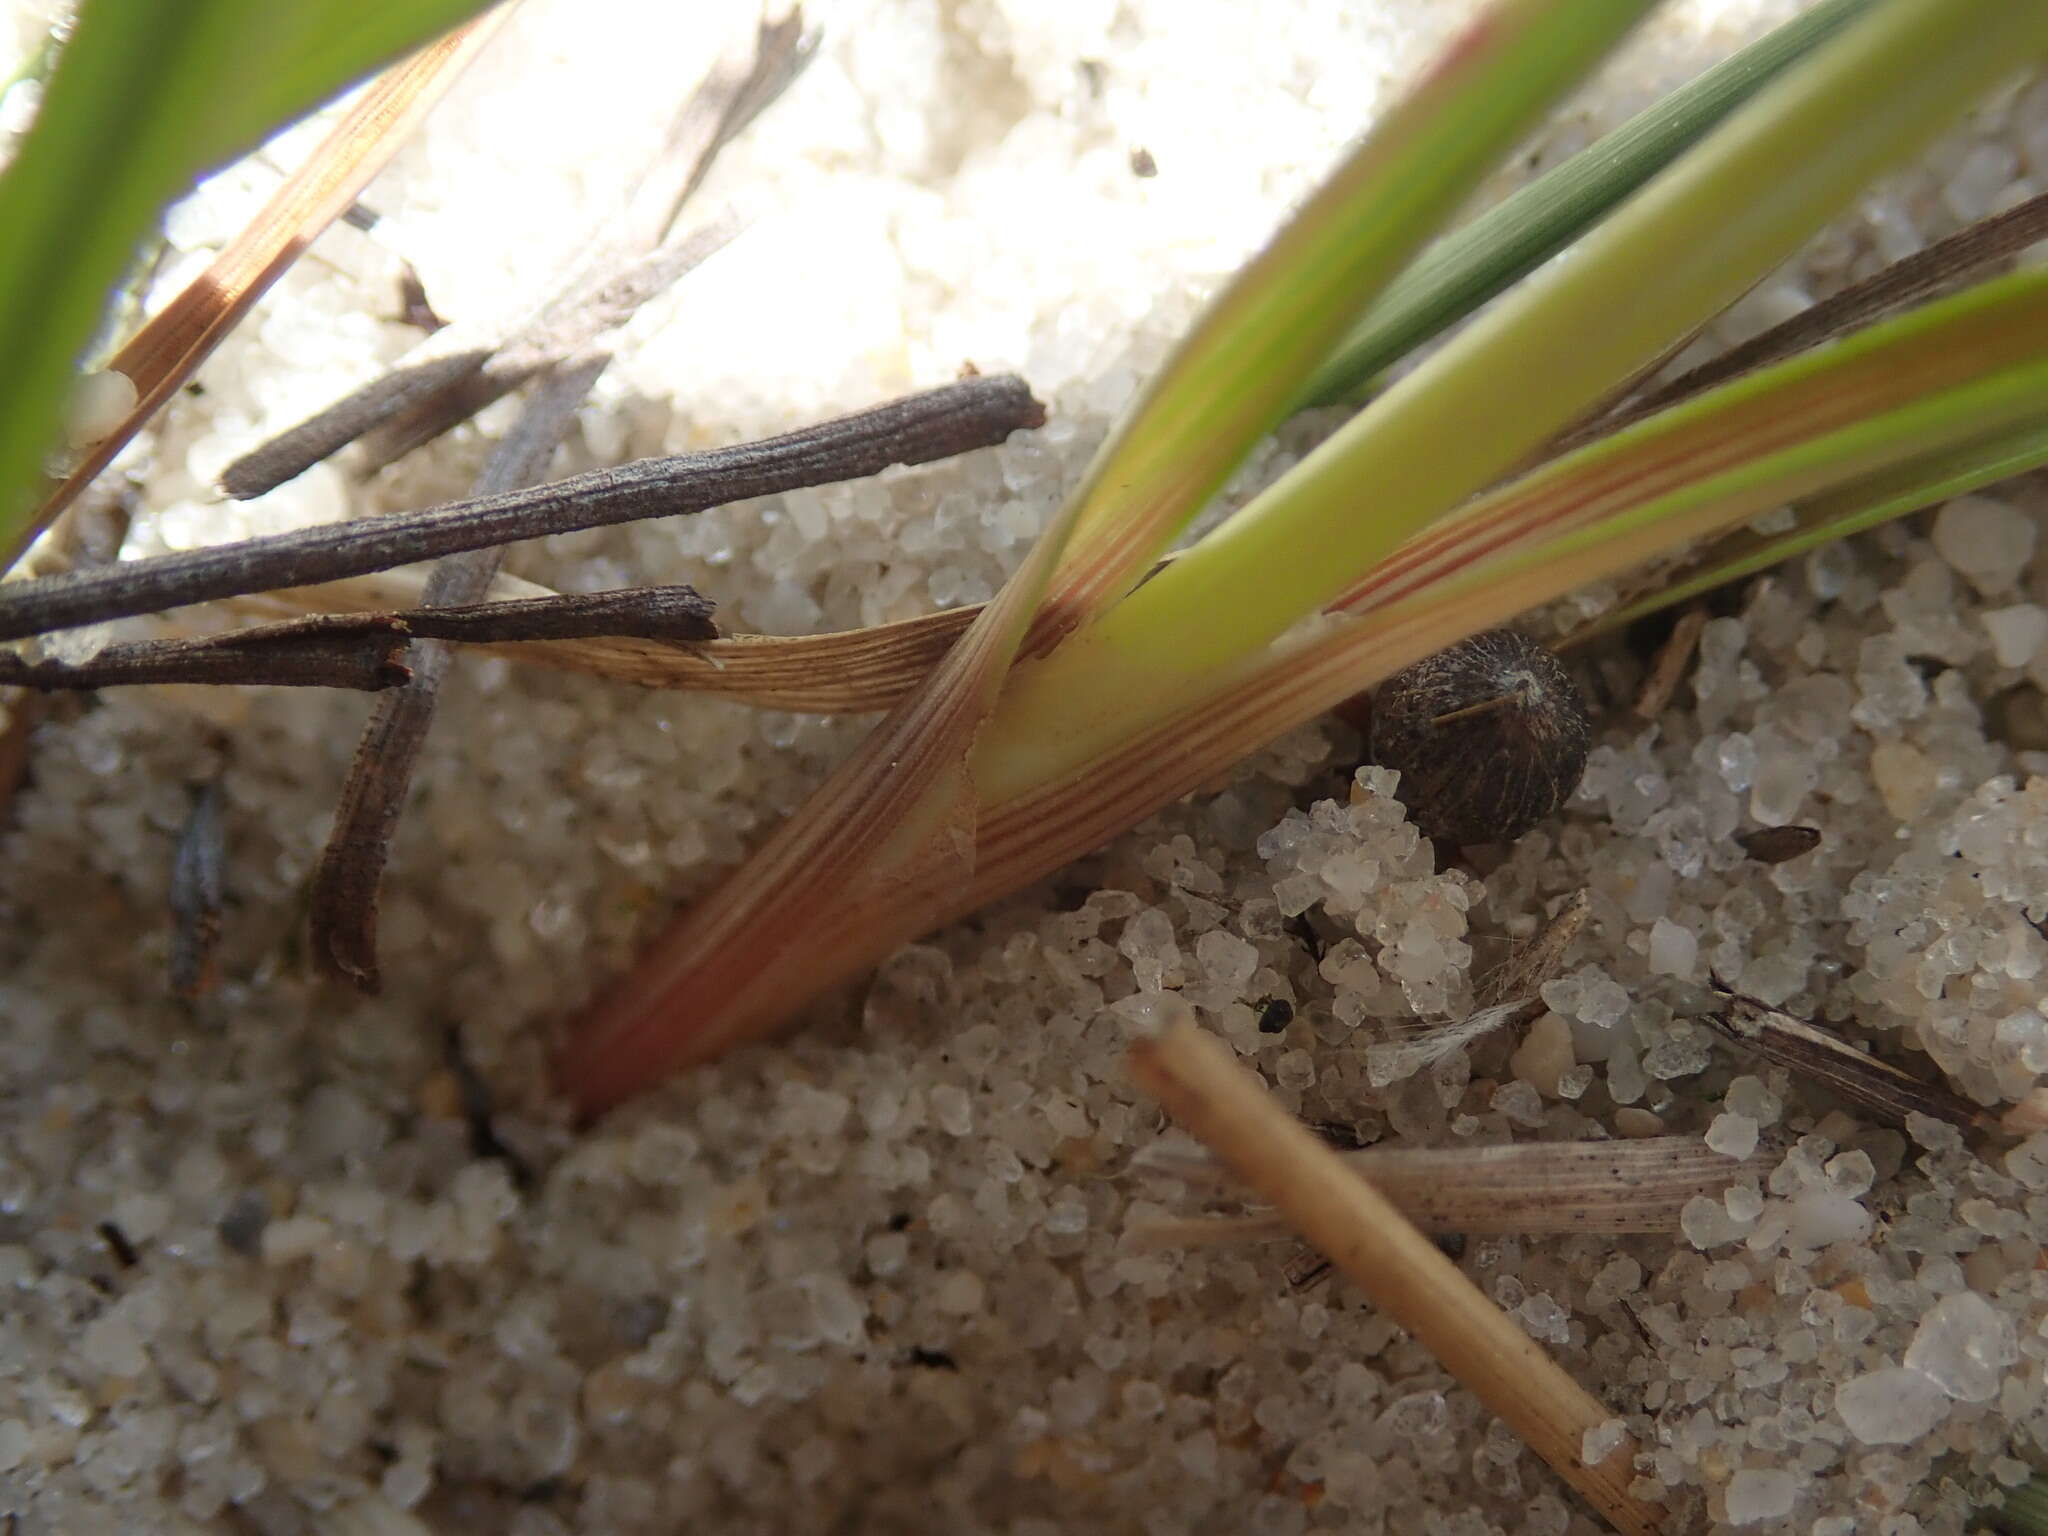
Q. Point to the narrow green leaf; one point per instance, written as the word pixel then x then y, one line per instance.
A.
pixel 889 841
pixel 146 97
pixel 1233 377
pixel 1851 509
pixel 1680 250
pixel 1473 264
pixel 1904 393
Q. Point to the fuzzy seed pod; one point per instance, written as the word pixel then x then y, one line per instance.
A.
pixel 1489 735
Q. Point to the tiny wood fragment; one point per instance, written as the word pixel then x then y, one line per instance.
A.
pixel 1523 973
pixel 1819 1055
pixel 1778 845
pixel 1673 657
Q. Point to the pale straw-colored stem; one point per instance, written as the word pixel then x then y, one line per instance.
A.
pixel 1402 1272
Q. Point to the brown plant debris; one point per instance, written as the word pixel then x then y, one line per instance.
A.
pixel 1818 1055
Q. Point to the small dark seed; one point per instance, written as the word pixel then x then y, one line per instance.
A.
pixel 1489 736
pixel 1774 845
pixel 117 1244
pixel 1275 1014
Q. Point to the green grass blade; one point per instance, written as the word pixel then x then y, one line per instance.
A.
pixel 889 841
pixel 146 97
pixel 1685 246
pixel 1233 377
pixel 1851 509
pixel 1904 393
pixel 1470 266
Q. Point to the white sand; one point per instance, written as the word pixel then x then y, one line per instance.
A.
pixel 873 1279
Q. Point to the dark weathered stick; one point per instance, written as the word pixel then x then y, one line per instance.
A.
pixel 368 651
pixel 298 449
pixel 635 261
pixel 974 413
pixel 638 613
pixel 367 657
pixel 343 914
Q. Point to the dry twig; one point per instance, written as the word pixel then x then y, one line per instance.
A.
pixel 343 912
pixel 1525 971
pixel 1201 1085
pixel 953 419
pixel 363 654
pixel 846 672
pixel 364 650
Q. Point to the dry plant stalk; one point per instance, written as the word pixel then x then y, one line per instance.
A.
pixel 1818 1055
pixel 1564 1187
pixel 1202 1086
pixel 166 351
